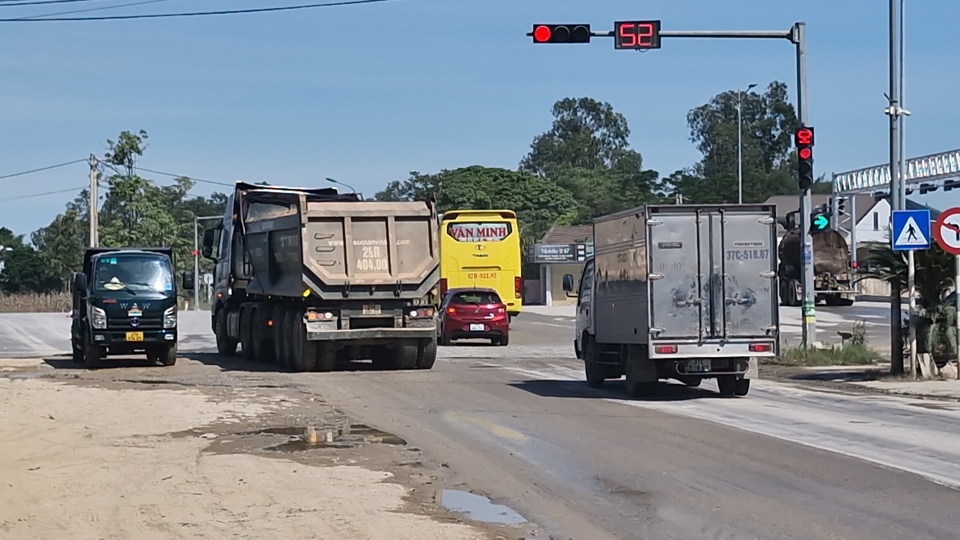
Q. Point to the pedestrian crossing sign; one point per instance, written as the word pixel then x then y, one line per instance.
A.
pixel 911 230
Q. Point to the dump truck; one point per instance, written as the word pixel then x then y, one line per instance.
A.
pixel 682 292
pixel 125 302
pixel 307 277
pixel 833 272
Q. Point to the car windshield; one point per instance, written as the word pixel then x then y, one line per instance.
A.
pixel 134 273
pixel 475 298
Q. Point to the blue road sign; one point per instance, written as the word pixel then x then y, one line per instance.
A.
pixel 911 230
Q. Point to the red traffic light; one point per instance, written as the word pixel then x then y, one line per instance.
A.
pixel 805 153
pixel 541 34
pixel 804 136
pixel 194 253
pixel 560 33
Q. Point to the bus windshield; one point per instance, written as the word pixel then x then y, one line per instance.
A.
pixel 134 272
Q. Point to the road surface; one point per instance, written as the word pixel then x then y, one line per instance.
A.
pixel 518 424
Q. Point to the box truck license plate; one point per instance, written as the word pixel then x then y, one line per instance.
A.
pixel 476 328
pixel 373 309
pixel 699 366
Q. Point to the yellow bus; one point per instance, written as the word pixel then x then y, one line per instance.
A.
pixel 481 248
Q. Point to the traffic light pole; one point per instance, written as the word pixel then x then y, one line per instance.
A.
pixel 797 36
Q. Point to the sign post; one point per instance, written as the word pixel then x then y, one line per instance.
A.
pixel 910 232
pixel 947 233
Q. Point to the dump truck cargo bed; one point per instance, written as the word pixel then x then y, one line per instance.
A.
pixel 340 250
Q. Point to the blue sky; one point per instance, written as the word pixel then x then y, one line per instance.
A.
pixel 366 94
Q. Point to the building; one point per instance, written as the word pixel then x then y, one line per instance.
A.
pixel 563 250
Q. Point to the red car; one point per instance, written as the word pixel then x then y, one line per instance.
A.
pixel 468 313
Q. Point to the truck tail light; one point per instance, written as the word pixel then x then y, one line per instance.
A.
pixel 760 347
pixel 665 349
pixel 518 286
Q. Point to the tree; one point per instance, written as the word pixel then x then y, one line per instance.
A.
pixel 768 161
pixel 585 134
pixel 135 213
pixel 586 152
pixel 538 202
pixel 26 271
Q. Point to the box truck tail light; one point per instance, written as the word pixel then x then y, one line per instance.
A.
pixel 517 286
pixel 665 349
pixel 443 286
pixel 760 347
pixel 854 265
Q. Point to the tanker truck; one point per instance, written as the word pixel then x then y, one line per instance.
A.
pixel 307 277
pixel 833 275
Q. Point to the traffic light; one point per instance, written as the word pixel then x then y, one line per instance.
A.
pixel 561 33
pixel 820 221
pixel 803 138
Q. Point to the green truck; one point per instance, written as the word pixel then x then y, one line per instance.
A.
pixel 125 302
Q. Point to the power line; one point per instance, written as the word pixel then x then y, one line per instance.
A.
pixel 44 194
pixel 23 173
pixel 18 3
pixel 199 13
pixel 202 181
pixel 86 10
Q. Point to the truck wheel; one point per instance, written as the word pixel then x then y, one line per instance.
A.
pixel 168 356
pixel 93 356
pixel 226 345
pixel 742 388
pixel 262 348
pixel 279 344
pixel 427 354
pixel 77 349
pixel 326 357
pixel 246 335
pixel 287 334
pixel 592 370
pixel 304 350
pixel 406 357
pixel 793 293
pixel 637 385
pixel 727 384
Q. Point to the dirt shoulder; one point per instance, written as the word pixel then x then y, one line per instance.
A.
pixel 95 459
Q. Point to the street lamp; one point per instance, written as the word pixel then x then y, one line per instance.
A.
pixel 332 181
pixel 740 141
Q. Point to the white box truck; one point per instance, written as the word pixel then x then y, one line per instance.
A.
pixel 682 292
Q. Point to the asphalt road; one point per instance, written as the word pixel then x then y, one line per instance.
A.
pixel 519 424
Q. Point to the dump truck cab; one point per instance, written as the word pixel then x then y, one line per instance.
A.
pixel 125 302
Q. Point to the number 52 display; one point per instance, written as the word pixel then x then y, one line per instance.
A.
pixel 638 35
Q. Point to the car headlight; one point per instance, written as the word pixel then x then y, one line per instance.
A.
pixel 98 318
pixel 170 317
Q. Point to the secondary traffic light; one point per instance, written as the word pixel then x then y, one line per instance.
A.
pixel 561 33
pixel 803 137
pixel 819 221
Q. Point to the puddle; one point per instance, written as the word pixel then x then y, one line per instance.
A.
pixel 479 508
pixel 329 436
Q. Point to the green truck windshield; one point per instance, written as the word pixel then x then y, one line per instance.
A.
pixel 134 273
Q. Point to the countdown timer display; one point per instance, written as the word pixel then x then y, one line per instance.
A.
pixel 637 35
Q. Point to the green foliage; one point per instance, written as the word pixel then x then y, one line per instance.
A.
pixel 135 212
pixel 935 272
pixel 538 202
pixel 768 120
pixel 850 355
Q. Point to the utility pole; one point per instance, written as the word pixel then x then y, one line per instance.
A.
pixel 740 143
pixel 94 211
pixel 896 202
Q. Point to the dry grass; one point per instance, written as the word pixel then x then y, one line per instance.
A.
pixel 35 303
